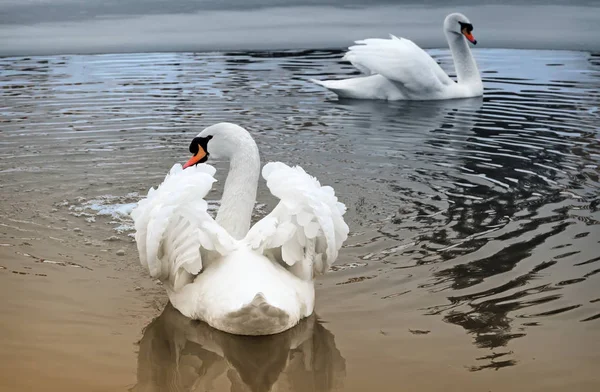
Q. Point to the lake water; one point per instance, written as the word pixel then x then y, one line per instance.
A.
pixel 45 27
pixel 475 224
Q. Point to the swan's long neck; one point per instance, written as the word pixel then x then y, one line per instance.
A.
pixel 239 194
pixel 464 63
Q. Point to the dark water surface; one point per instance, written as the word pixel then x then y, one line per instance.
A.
pixel 475 224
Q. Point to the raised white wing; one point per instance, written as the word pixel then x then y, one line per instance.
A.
pixel 173 227
pixel 399 60
pixel 306 229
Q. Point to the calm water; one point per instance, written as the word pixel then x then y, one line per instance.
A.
pixel 479 217
pixel 46 27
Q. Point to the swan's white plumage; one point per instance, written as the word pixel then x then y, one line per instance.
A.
pixel 172 226
pixel 259 284
pixel 307 219
pixel 400 61
pixel 398 69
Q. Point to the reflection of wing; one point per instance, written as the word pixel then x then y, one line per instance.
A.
pixel 177 354
pixel 173 226
pixel 399 60
pixel 316 364
pixel 167 361
pixel 305 230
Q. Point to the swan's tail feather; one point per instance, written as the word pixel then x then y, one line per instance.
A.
pixel 319 82
pixel 256 317
pixel 339 87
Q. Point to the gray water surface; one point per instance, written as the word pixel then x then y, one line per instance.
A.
pixel 96 26
pixel 482 214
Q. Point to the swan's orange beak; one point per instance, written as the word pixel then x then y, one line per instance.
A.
pixel 198 158
pixel 469 36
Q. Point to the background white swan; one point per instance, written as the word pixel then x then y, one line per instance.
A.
pixel 397 69
pixel 248 282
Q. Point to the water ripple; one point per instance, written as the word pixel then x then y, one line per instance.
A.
pixel 490 205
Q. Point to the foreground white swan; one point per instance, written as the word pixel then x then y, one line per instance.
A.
pixel 397 69
pixel 244 281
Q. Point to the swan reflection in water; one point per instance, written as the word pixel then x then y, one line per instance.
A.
pixel 179 354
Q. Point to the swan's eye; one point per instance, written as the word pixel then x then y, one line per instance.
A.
pixel 199 141
pixel 199 150
pixel 465 27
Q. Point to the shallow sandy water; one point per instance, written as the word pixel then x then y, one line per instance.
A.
pixel 473 262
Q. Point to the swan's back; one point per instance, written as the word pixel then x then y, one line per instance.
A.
pixel 246 293
pixel 401 61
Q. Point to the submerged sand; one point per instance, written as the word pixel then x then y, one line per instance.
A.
pixel 72 319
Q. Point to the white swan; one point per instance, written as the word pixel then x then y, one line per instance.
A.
pixel 256 281
pixel 397 69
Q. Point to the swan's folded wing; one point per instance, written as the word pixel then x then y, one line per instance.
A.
pixel 173 227
pixel 306 229
pixel 399 60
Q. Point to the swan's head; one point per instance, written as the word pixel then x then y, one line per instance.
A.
pixel 221 140
pixel 459 24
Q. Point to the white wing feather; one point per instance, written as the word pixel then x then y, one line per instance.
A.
pixel 173 226
pixel 306 226
pixel 399 60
